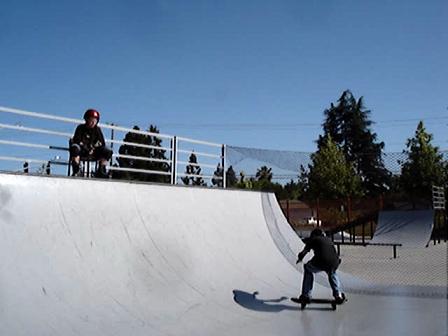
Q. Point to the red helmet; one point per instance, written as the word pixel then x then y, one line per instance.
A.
pixel 91 113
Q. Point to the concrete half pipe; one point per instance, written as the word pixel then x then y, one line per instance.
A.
pixel 88 257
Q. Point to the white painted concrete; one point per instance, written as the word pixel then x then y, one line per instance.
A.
pixel 86 257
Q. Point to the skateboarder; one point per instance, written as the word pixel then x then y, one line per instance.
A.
pixel 325 260
pixel 88 142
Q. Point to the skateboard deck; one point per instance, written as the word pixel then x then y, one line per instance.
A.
pixel 332 302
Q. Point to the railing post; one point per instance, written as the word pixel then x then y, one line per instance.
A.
pixel 112 134
pixel 173 158
pixel 363 232
pixel 223 164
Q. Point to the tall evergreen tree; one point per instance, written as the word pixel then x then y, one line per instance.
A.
pixel 330 175
pixel 348 124
pixel 217 176
pixel 424 167
pixel 144 152
pixel 193 168
pixel 231 179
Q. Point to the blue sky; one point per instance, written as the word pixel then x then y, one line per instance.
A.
pixel 245 73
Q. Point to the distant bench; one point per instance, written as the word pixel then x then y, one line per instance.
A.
pixel 394 245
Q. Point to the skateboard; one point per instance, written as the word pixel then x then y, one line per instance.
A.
pixel 333 302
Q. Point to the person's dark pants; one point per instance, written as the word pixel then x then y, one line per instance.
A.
pixel 99 153
pixel 308 279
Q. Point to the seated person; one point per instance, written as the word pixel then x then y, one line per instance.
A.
pixel 325 260
pixel 88 142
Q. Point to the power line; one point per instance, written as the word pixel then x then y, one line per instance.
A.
pixel 293 126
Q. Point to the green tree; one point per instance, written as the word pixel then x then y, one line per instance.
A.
pixel 348 124
pixel 291 190
pixel 231 179
pixel 193 171
pixel 424 166
pixel 264 174
pixel 330 175
pixel 158 155
pixel 217 176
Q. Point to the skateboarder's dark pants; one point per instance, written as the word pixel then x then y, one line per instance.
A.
pixel 308 280
pixel 99 153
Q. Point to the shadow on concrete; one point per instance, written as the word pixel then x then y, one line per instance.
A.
pixel 250 301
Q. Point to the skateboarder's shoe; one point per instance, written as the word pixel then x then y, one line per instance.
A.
pixel 340 298
pixel 101 172
pixel 76 169
pixel 304 299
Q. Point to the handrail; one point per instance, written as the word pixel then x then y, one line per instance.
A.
pixel 339 243
pixel 135 170
pixel 13 158
pixel 131 157
pixel 25 144
pixel 174 149
pixel 35 130
pixel 77 121
pixel 199 153
pixel 196 164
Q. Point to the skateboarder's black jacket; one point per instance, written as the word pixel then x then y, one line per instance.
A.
pixel 325 255
pixel 88 138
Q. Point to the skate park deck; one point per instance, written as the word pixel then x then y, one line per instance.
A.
pixel 91 257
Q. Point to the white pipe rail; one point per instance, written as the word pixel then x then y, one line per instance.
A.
pixel 136 144
pixel 199 142
pixel 174 149
pixel 199 153
pixel 135 170
pixel 131 157
pixel 27 144
pixel 35 130
pixel 39 115
pixel 78 121
pixel 196 164
pixel 13 158
pixel 203 176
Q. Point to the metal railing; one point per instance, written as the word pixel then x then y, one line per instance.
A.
pixel 178 149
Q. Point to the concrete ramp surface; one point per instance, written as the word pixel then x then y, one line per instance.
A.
pixel 409 228
pixel 86 257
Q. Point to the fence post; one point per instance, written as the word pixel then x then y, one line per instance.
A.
pixel 223 164
pixel 112 135
pixel 173 158
pixel 349 218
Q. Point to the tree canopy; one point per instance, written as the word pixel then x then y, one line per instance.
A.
pixel 330 175
pixel 424 167
pixel 348 125
pixel 193 172
pixel 148 150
